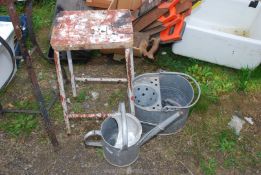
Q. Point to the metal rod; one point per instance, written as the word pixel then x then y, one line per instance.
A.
pixel 30 111
pixel 52 102
pixel 35 85
pixel 21 111
pixel 111 80
pixel 29 14
pixel 89 116
pixel 1 111
pixel 62 91
pixel 132 64
pixel 130 77
pixel 70 63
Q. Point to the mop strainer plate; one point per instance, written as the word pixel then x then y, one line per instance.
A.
pixel 145 96
pixel 147 93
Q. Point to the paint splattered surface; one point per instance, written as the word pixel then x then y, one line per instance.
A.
pixel 92 29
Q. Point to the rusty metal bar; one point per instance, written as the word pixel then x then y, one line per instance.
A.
pixel 130 77
pixel 110 80
pixel 31 111
pixel 2 2
pixel 1 108
pixel 70 64
pixel 62 91
pixel 29 15
pixel 35 85
pixel 132 66
pixel 29 19
pixel 21 111
pixel 89 116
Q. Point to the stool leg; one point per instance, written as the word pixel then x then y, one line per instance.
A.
pixel 130 76
pixel 70 63
pixel 62 91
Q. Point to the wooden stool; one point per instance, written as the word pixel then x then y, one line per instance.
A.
pixel 92 29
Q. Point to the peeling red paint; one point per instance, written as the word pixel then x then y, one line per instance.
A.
pixel 96 116
pixel 92 29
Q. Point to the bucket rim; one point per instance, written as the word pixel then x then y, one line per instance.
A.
pixel 193 91
pixel 181 75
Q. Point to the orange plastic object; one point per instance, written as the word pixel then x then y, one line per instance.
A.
pixel 173 22
pixel 172 15
pixel 168 5
pixel 173 33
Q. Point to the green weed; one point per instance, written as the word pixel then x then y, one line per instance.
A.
pixel 43 11
pixel 3 10
pixel 230 162
pixel 57 112
pixel 256 73
pixel 99 152
pixel 44 2
pixel 26 104
pixel 209 167
pixel 81 97
pixel 19 125
pixel 221 84
pixel 171 61
pixel 78 101
pixel 227 141
pixel 244 77
pixel 19 8
pixel 203 74
pixel 258 154
pixel 116 97
pixel 42 15
pixel 207 98
pixel 249 80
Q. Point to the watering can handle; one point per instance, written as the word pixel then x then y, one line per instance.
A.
pixel 124 126
pixel 93 143
pixel 170 108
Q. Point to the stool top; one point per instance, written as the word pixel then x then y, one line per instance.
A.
pixel 92 29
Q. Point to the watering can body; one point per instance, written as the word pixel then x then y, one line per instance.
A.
pixel 128 154
pixel 119 138
pixel 115 156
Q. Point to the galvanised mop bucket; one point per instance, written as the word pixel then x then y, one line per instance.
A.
pixel 159 95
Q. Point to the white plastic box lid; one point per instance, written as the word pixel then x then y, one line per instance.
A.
pixel 6 29
pixel 6 65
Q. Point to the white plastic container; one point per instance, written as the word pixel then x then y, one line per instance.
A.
pixel 6 65
pixel 225 32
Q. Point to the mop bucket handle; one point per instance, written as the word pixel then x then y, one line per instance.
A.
pixel 93 143
pixel 172 108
